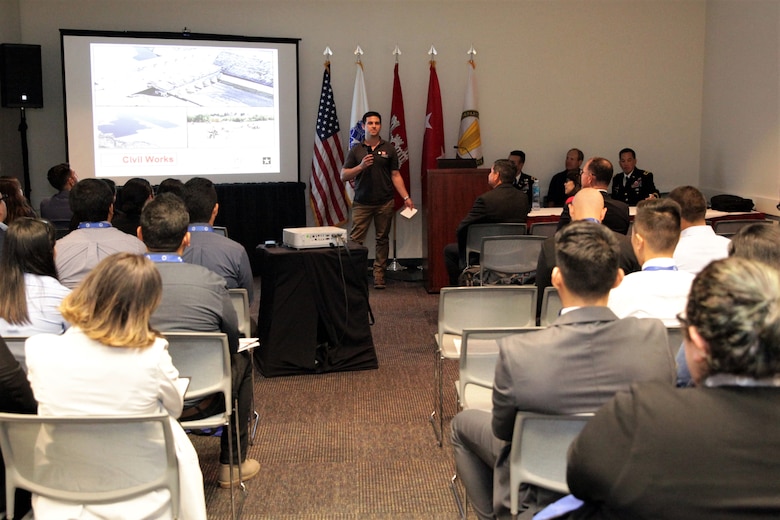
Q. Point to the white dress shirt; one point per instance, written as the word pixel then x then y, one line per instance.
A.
pixel 698 246
pixel 659 290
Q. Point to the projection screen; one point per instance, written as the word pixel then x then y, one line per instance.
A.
pixel 159 105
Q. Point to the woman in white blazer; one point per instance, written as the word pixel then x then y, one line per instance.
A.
pixel 111 362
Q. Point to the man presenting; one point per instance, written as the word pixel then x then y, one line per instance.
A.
pixel 373 166
pixel 573 366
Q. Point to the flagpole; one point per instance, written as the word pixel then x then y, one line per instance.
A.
pixel 394 266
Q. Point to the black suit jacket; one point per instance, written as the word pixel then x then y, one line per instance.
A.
pixel 616 219
pixel 694 453
pixel 640 187
pixel 504 203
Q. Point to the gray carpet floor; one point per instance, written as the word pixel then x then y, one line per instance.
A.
pixel 353 445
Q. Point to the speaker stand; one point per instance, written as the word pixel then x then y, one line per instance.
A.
pixel 25 154
pixel 394 265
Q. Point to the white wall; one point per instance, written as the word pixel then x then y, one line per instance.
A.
pixel 740 150
pixel 552 74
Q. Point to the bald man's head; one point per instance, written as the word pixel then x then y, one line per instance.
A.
pixel 588 203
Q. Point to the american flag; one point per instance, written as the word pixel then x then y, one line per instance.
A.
pixel 327 191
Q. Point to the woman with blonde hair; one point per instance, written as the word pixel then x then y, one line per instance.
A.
pixel 32 293
pixel 111 362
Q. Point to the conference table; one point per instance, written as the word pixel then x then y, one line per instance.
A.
pixel 314 311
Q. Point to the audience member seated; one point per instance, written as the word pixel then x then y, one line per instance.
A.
pixel 123 368
pixel 31 295
pixel 213 251
pixel 587 205
pixel 633 184
pixel 698 245
pixel 196 299
pixel 757 242
pixel 502 203
pixel 522 181
pixel 92 202
pixel 57 207
pixel 660 289
pixel 572 185
pixel 706 452
pixel 596 174
pixel 15 397
pixel 15 202
pixel 171 185
pixel 573 366
pixel 130 201
pixel 556 194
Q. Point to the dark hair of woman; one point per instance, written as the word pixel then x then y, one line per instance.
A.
pixel 29 248
pixel 11 192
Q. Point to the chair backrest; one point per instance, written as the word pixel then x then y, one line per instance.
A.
pixel 483 307
pixel 509 254
pixel 89 460
pixel 540 444
pixel 222 230
pixel 204 357
pixel 543 229
pixel 675 337
pixel 551 306
pixel 478 356
pixel 239 297
pixel 476 232
pixel 16 346
pixel 727 228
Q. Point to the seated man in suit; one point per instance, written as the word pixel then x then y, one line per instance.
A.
pixel 573 366
pixel 213 251
pixel 633 184
pixel 82 249
pixel 196 299
pixel 660 289
pixel 698 244
pixel 503 203
pixel 597 173
pixel 708 452
pixel 588 204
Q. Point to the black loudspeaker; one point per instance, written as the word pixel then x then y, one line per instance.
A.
pixel 21 80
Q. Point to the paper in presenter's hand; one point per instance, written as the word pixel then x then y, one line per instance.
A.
pixel 408 212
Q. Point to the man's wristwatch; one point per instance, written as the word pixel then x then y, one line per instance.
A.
pixel 406 198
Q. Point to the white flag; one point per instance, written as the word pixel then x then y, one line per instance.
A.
pixel 469 138
pixel 359 107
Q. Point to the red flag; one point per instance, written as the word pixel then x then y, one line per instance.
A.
pixel 398 135
pixel 327 191
pixel 433 139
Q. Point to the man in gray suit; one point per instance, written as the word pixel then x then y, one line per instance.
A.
pixel 573 366
pixel 196 299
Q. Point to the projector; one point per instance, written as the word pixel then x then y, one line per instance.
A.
pixel 313 237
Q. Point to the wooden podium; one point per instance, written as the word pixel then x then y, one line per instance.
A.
pixel 448 195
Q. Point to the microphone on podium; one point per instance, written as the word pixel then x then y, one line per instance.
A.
pixel 459 148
